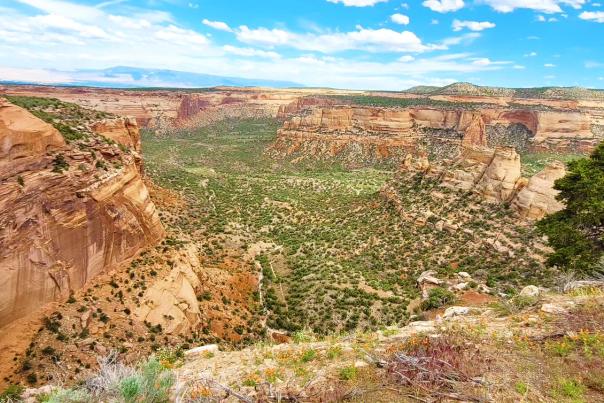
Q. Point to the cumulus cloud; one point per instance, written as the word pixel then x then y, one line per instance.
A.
pixel 544 6
pixel 444 6
pixel 596 16
pixel 219 25
pixel 472 25
pixel 250 52
pixel 358 3
pixel 400 19
pixel 56 40
pixel 372 40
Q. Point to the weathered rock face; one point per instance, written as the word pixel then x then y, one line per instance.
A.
pixel 500 180
pixel 538 198
pixel 172 302
pixel 388 134
pixel 496 176
pixel 61 227
pixel 121 130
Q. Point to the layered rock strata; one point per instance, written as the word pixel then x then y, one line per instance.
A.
pixel 496 176
pixel 388 134
pixel 68 211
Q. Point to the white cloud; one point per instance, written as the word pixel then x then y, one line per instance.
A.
pixel 549 65
pixel 400 19
pixel 250 52
pixel 40 76
pixel 472 25
pixel 219 25
pixel 593 65
pixel 358 3
pixel 544 6
pixel 444 6
pixel 485 61
pixel 596 16
pixel 60 39
pixel 531 54
pixel 518 67
pixel 174 34
pixel 372 40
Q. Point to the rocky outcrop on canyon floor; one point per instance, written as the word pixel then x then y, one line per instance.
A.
pixel 72 201
pixel 495 175
pixel 367 135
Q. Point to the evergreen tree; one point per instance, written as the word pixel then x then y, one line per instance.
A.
pixel 577 232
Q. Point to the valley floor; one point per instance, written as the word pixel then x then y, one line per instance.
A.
pixel 334 254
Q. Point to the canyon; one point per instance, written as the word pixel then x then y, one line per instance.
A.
pixel 138 223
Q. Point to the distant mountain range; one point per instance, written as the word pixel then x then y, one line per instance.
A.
pixel 132 77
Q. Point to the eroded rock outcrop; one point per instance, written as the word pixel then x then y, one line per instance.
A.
pixel 374 134
pixel 68 211
pixel 496 176
pixel 172 301
pixel 538 198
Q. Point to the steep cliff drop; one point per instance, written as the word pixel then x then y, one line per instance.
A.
pixel 72 205
pixel 365 135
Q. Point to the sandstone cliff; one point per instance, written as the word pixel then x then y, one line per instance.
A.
pixel 377 134
pixel 538 198
pixel 495 175
pixel 68 210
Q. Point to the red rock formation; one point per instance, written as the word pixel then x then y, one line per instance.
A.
pixel 322 127
pixel 60 229
pixel 496 176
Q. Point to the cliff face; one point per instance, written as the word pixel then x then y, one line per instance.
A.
pixel 496 176
pixel 68 211
pixel 538 198
pixel 389 133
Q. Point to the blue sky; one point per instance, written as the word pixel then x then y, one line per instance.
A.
pixel 364 44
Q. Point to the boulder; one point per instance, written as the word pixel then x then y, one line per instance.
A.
pixel 530 291
pixel 456 311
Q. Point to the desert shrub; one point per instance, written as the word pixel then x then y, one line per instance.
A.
pixel 436 365
pixel 149 382
pixel 68 396
pixel 438 297
pixel 514 305
pixel 59 164
pixel 348 373
pixel 11 394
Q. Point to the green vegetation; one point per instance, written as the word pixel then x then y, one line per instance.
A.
pixel 390 102
pixel 537 92
pixel 577 232
pixel 67 118
pixel 149 382
pixel 11 394
pixel 339 256
pixel 438 297
pixel 533 163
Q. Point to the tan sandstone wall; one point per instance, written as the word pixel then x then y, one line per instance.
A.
pixel 59 230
